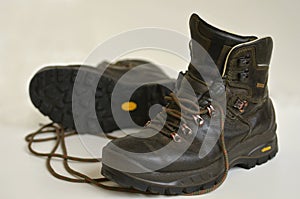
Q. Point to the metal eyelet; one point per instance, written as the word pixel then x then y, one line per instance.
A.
pixel 245 60
pixel 198 119
pixel 210 110
pixel 240 105
pixel 244 75
pixel 176 137
pixel 186 129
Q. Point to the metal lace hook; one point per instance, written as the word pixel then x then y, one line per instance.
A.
pixel 198 119
pixel 148 123
pixel 186 129
pixel 210 110
pixel 176 137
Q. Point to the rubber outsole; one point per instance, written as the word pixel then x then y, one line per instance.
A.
pixel 128 181
pixel 51 91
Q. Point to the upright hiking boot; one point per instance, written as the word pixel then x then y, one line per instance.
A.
pixel 52 88
pixel 189 147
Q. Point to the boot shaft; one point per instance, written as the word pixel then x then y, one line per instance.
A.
pixel 242 61
pixel 216 42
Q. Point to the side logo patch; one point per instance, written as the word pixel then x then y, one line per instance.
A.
pixel 260 85
pixel 265 149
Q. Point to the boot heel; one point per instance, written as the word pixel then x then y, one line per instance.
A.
pixel 258 156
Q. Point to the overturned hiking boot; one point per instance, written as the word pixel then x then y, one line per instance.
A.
pixel 188 148
pixel 78 98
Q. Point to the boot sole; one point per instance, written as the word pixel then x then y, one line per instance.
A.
pixel 193 180
pixel 51 91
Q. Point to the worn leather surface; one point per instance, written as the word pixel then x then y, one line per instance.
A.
pixel 240 125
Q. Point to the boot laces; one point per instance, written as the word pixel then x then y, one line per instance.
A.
pixel 60 135
pixel 190 111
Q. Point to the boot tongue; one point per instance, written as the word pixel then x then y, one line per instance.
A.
pixel 217 43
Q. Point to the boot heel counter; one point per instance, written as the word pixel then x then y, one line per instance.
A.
pixel 273 116
pixel 263 120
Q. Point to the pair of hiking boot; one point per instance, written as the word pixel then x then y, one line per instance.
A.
pixel 218 116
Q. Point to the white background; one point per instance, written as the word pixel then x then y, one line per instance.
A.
pixel 34 33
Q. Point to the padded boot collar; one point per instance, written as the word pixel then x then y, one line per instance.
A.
pixel 215 41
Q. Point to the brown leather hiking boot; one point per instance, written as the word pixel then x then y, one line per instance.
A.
pixel 188 148
pixel 52 91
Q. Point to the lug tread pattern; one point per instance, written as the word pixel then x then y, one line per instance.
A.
pixel 51 93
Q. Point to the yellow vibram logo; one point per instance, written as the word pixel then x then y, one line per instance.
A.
pixel 265 149
pixel 129 106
